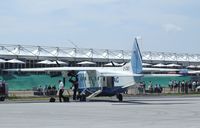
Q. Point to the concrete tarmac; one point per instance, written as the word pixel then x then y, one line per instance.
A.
pixel 134 112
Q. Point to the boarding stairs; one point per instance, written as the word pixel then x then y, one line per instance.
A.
pixel 94 94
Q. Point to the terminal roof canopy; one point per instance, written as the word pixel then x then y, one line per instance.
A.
pixel 191 66
pixel 2 61
pixel 173 65
pixel 86 63
pixel 59 62
pixel 51 62
pixel 29 52
pixel 110 64
pixel 45 62
pixel 160 65
pixel 16 61
pixel 146 64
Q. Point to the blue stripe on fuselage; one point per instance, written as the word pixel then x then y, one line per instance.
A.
pixel 107 91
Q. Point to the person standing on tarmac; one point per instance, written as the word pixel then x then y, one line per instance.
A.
pixel 74 81
pixel 61 90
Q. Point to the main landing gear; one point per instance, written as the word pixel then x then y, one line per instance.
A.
pixel 82 97
pixel 119 97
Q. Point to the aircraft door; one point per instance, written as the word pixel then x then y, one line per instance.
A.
pixel 101 81
pixel 81 80
pixel 110 82
pixel 107 81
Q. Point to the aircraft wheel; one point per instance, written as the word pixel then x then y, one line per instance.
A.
pixel 120 97
pixel 82 97
pixel 2 98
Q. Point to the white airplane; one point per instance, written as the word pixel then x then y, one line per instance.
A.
pixel 105 81
pixel 101 81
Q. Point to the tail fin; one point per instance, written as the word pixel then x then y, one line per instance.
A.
pixel 136 59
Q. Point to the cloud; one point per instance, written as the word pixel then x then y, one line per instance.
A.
pixel 172 28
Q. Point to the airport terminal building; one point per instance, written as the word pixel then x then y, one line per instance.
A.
pixel 25 56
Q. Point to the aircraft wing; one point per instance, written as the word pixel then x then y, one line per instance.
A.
pixel 194 72
pixel 103 71
pixel 53 69
pixel 119 74
pixel 160 70
pixel 163 72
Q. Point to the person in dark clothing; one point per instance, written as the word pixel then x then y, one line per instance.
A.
pixel 74 80
pixel 61 90
pixel 186 87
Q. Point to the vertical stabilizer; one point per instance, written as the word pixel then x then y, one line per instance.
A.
pixel 136 58
pixel 135 64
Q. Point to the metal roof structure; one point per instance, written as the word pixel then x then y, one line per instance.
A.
pixel 44 51
pixel 23 51
pixel 168 56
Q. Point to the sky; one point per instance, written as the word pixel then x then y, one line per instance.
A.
pixel 162 25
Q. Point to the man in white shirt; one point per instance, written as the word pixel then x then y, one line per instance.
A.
pixel 61 90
